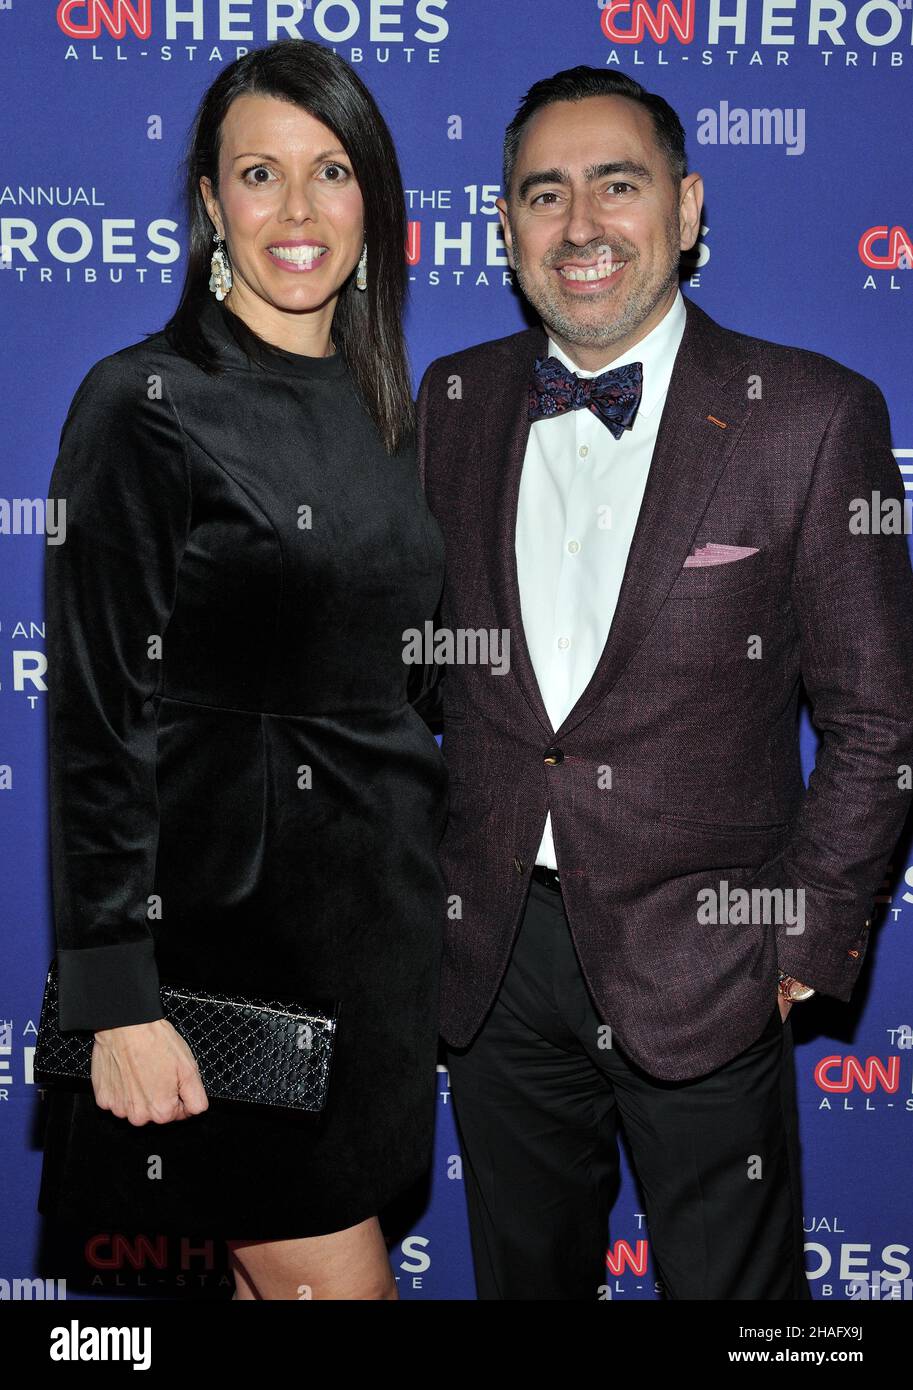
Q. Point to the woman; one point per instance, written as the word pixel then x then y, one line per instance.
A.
pixel 242 796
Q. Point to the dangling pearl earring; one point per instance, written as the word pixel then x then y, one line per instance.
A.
pixel 220 280
pixel 361 275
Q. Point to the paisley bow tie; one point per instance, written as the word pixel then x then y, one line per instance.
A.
pixel 613 396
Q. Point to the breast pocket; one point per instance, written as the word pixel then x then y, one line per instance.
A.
pixel 714 827
pixel 715 581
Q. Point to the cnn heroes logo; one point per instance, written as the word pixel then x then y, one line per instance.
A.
pixel 68 241
pixel 774 22
pixel 232 22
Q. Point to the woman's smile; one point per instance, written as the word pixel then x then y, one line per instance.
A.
pixel 297 257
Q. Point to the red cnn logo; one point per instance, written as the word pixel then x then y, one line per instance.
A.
pixel 119 1252
pixel 900 248
pixel 842 1074
pixel 621 1257
pixel 114 15
pixel 667 16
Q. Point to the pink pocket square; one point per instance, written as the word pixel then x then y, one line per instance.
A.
pixel 714 554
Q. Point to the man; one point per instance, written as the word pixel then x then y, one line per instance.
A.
pixel 657 511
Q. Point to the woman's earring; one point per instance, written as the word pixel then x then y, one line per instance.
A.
pixel 220 278
pixel 361 275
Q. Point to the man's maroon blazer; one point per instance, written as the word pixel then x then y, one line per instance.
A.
pixel 678 768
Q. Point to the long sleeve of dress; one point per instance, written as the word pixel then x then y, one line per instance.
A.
pixel 110 588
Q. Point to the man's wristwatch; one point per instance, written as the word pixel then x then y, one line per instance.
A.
pixel 792 990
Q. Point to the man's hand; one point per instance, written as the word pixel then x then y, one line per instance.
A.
pixel 794 987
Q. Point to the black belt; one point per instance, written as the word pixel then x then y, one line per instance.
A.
pixel 547 877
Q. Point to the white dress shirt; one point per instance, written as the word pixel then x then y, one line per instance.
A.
pixel 580 496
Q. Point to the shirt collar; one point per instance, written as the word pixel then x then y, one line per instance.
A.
pixel 657 352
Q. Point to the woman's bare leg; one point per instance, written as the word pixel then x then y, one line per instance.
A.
pixel 244 1288
pixel 349 1264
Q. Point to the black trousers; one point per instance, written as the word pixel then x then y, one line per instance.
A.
pixel 538 1103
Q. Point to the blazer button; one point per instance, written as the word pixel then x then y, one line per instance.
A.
pixel 553 756
pixel 519 865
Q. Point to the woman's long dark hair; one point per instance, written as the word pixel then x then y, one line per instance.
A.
pixel 367 325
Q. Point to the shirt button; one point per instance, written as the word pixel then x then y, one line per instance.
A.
pixel 584 450
pixel 573 546
pixel 564 643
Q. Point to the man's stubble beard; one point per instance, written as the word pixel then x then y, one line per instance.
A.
pixel 599 333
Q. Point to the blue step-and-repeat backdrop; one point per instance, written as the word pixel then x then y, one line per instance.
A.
pixel 805 239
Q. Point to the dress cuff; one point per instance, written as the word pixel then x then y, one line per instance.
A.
pixel 108 986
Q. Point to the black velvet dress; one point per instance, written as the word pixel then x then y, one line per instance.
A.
pixel 242 795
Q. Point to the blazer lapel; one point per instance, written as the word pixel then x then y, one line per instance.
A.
pixel 506 436
pixel 690 454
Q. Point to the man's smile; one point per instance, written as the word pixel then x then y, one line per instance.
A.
pixel 587 276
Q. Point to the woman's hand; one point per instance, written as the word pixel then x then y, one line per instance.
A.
pixel 145 1072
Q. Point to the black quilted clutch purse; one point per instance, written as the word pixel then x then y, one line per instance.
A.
pixel 258 1050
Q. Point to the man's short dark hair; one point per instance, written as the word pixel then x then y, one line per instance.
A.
pixel 575 84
